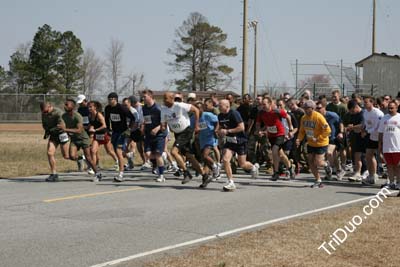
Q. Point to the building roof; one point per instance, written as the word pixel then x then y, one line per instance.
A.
pixel 362 61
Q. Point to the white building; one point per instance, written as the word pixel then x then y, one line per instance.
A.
pixel 382 71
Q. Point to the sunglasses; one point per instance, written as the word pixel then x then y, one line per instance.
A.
pixel 318 108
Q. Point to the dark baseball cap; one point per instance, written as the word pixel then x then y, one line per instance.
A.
pixel 133 99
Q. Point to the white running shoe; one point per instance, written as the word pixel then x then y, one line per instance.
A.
pixel 160 179
pixel 355 178
pixel 340 174
pixel 365 175
pixel 119 178
pixel 146 165
pixel 254 171
pixel 116 166
pixel 230 186
pixel 90 171
pixel 216 172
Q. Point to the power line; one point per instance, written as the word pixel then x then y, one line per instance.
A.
pixel 267 40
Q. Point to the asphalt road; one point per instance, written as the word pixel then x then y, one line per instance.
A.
pixel 79 223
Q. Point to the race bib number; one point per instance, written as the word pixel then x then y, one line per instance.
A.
pixel 272 129
pixel 115 117
pixel 85 120
pixel 100 137
pixel 203 125
pixel 310 133
pixel 147 119
pixel 390 129
pixel 175 126
pixel 63 137
pixel 231 139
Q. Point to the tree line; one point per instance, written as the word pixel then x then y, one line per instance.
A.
pixel 54 62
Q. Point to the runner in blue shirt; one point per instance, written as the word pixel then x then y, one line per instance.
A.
pixel 208 123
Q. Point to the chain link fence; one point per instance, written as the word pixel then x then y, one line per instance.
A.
pixel 26 107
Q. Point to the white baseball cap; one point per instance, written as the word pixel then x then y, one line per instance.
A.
pixel 191 95
pixel 80 98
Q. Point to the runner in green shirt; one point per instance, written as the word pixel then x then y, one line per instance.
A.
pixel 51 118
pixel 79 138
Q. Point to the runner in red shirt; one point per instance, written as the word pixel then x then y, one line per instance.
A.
pixel 275 130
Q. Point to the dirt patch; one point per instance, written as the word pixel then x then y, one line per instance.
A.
pixel 295 243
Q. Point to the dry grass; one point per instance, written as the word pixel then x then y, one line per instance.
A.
pixel 23 152
pixel 296 243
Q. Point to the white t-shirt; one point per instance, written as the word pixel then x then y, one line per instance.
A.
pixel 371 122
pixel 176 117
pixel 135 115
pixel 390 127
pixel 140 114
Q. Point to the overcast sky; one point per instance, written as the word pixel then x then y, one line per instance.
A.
pixel 311 31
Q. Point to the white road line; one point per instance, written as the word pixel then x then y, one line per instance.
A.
pixel 223 234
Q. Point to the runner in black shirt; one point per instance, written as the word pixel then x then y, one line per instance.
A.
pixel 116 117
pixel 154 137
pixel 232 128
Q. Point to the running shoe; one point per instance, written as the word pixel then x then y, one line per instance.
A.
pixel 186 177
pixel 355 178
pixel 390 186
pixel 275 176
pixel 160 179
pixel 328 171
pixel 292 171
pixel 397 187
pixel 119 178
pixel 205 180
pixel 146 165
pixel 340 174
pixel 97 178
pixel 90 171
pixel 317 185
pixel 178 173
pixel 217 172
pixel 229 187
pixel 79 162
pixel 52 178
pixel 254 171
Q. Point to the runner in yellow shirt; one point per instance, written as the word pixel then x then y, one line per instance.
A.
pixel 316 130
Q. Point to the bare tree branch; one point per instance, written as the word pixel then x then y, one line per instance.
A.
pixel 114 62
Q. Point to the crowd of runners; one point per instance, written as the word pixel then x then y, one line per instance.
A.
pixel 354 137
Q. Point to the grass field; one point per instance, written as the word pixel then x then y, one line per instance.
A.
pixel 24 152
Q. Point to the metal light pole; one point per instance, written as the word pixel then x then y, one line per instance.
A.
pixel 253 24
pixel 244 52
pixel 373 27
pixel 297 65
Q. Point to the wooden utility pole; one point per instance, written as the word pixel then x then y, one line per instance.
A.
pixel 253 24
pixel 244 52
